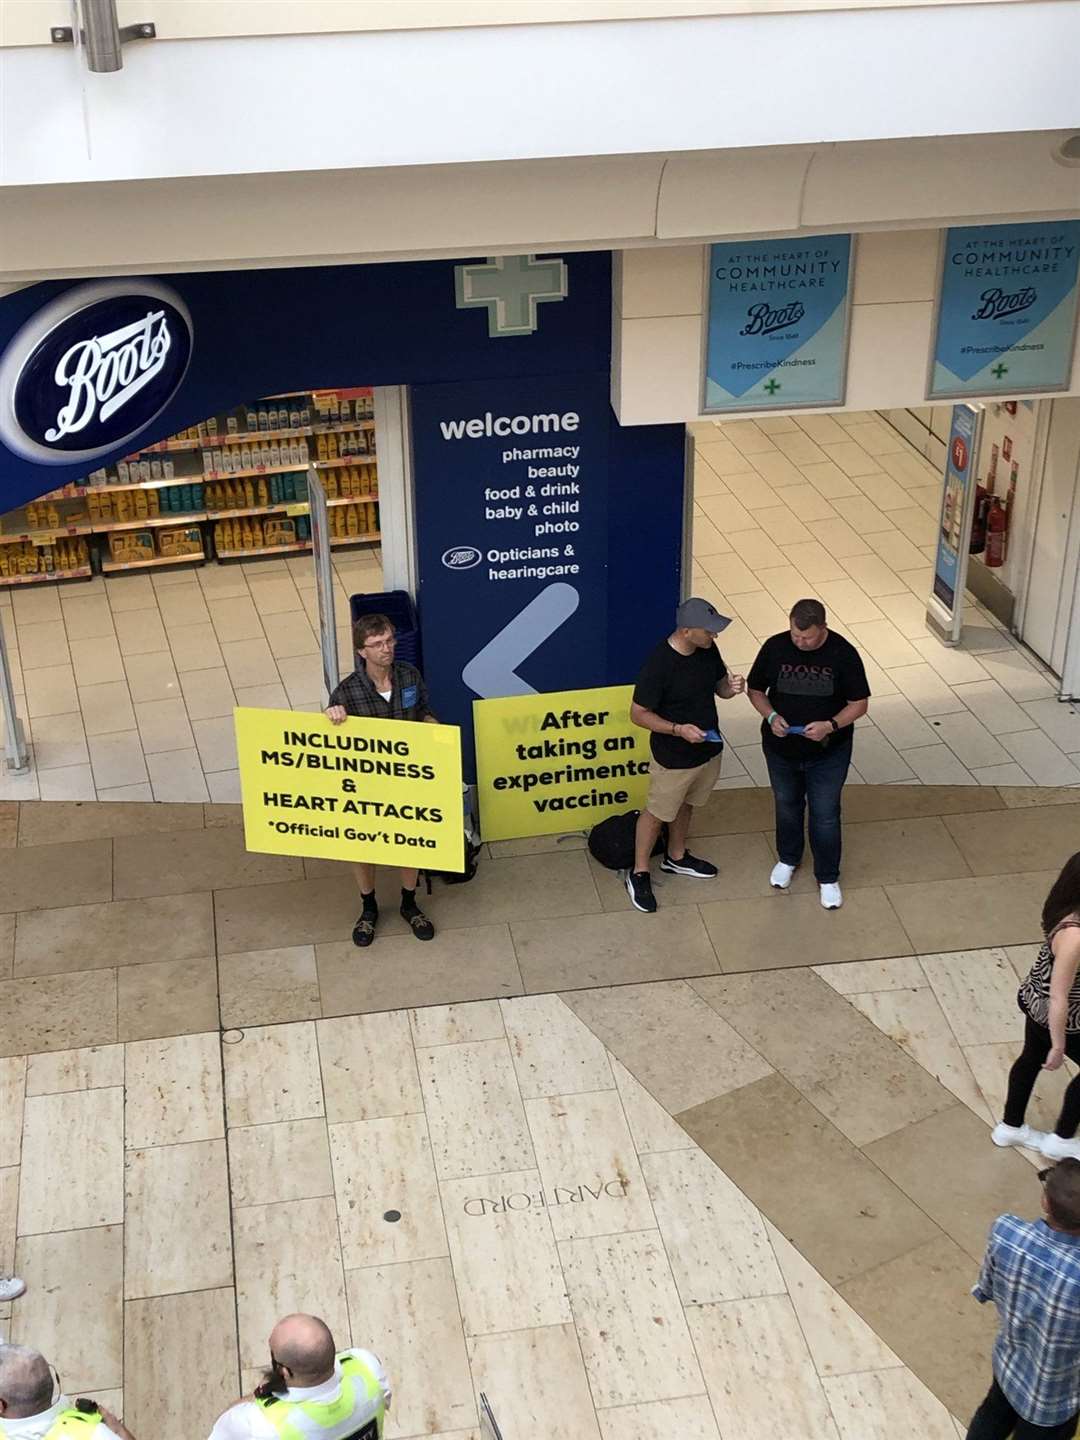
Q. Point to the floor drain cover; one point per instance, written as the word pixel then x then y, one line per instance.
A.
pixel 393 1216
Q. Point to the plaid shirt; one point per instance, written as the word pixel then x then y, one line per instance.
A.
pixel 1032 1274
pixel 408 694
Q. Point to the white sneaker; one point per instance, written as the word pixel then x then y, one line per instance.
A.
pixel 1005 1135
pixel 11 1287
pixel 1054 1148
pixel 831 898
pixel 781 875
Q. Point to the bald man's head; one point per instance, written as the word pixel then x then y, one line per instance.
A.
pixel 303 1346
pixel 26 1382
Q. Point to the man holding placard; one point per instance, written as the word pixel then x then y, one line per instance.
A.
pixel 382 688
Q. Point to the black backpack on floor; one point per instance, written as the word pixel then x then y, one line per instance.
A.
pixel 612 841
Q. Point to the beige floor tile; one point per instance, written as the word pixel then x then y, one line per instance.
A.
pixel 70 782
pixel 915 1021
pixel 13 1080
pixel 50 691
pixel 949 914
pixel 722 455
pixel 272 1073
pixel 263 697
pixel 946 1166
pixel 880 762
pixel 787 929
pixel 9 1212
pixel 181 606
pixel 251 662
pixel 96 661
pixel 553 1052
pixel 457 1024
pixel 592 950
pixel 93 1068
pixel 216 741
pixel 674 1044
pixel 828 480
pixel 970 741
pixel 48 824
pixel 177 775
pixel 54 1012
pixel 1028 796
pixel 117 759
pixel 474 1109
pixel 732 574
pixel 287 1260
pixel 290 633
pixel 887 852
pixel 163 725
pixel 44 643
pixel 89 1123
pixel 412 1311
pixel 588 1164
pixel 938 765
pixel 652 1128
pixel 859 1079
pixel 784 527
pixel 224 787
pixel 177 1235
pixel 208 694
pixel 977 992
pixel 814 561
pixel 901 723
pixel 759 550
pixel 840 1343
pixel 73 1306
pixel 506 1264
pixel 86 616
pixel 863 515
pixel 382 1167
pixel 908 614
pixel 807 502
pixel 222 582
pixel 691 1419
pixel 303 679
pixel 174 997
pixel 991 1063
pixel 286 1161
pixel 798 446
pixel 838 538
pixel 760 613
pixel 924 687
pixel 954 666
pixel 744 861
pixel 179 1344
pixel 537 1372
pixel 172 864
pixel 127 932
pixel 173 1091
pixel 632 1328
pixel 460 965
pixel 269 986
pixel 1060 721
pixel 897 551
pixel 1010 774
pixel 140 632
pixel 875 1405
pixel 883 642
pixel 194 647
pixel 368 1067
pixel 151 677
pixel 273 596
pixel 1041 758
pixel 530 887
pixel 34 606
pixel 1005 841
pixel 107 709
pixel 994 708
pixel 129 592
pixel 777 469
pixel 847 601
pixel 715 1239
pixel 7 946
pixel 844 1215
pixel 761 1379
pixel 921 1306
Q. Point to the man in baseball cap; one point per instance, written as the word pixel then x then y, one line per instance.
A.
pixel 675 699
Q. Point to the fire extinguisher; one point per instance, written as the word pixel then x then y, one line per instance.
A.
pixel 978 524
pixel 996 522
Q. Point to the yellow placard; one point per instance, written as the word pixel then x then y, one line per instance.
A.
pixel 555 762
pixel 387 792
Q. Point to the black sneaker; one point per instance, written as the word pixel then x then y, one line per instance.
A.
pixel 639 888
pixel 422 927
pixel 690 865
pixel 364 929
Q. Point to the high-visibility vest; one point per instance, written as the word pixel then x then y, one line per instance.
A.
pixel 309 1419
pixel 73 1424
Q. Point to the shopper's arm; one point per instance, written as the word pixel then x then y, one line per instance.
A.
pixel 822 729
pixel 650 720
pixel 1066 948
pixel 763 705
pixel 731 685
pixel 113 1423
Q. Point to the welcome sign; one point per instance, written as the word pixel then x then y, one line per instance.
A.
pixel 1006 314
pixel 777 324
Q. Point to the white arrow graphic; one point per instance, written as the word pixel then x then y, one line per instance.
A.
pixel 492 671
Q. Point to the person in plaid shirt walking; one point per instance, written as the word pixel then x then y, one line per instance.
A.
pixel 1031 1272
pixel 382 688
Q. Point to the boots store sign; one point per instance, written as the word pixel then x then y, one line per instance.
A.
pixel 92 369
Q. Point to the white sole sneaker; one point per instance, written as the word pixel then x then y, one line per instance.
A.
pixel 1054 1148
pixel 781 875
pixel 831 898
pixel 11 1287
pixel 1005 1135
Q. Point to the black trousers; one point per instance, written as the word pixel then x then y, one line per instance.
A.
pixel 1025 1072
pixel 996 1419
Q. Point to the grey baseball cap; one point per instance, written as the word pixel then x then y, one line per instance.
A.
pixel 698 614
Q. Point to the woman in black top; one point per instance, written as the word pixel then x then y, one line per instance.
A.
pixel 1050 1001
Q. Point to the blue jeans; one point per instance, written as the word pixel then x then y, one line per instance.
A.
pixel 815 781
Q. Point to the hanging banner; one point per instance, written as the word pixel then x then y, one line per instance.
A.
pixel 1006 311
pixel 387 792
pixel 561 761
pixel 777 333
pixel 945 607
pixel 324 578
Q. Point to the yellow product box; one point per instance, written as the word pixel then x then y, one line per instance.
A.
pixel 128 545
pixel 280 532
pixel 186 540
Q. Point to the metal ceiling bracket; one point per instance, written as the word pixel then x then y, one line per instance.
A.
pixel 65 35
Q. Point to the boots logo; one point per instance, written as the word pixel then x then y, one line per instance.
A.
pixel 763 320
pixel 995 303
pixel 92 369
pixel 461 557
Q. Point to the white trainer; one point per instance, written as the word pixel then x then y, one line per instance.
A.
pixel 11 1287
pixel 781 875
pixel 831 898
pixel 1006 1135
pixel 1054 1148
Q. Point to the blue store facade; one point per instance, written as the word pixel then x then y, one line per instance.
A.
pixel 548 538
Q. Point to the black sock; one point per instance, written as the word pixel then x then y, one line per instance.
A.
pixel 408 901
pixel 371 905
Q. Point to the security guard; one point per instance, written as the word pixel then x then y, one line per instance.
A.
pixel 311 1391
pixel 34 1407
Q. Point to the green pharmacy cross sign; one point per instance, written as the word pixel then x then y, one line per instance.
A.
pixel 510 287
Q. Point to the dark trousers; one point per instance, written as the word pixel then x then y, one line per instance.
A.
pixel 1025 1072
pixel 814 783
pixel 996 1419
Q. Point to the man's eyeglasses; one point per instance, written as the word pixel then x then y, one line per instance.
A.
pixel 385 644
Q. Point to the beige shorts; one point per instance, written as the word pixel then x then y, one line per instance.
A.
pixel 669 790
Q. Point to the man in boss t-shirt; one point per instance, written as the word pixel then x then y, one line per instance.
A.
pixel 675 699
pixel 809 686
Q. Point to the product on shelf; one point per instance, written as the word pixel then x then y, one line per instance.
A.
pixel 62 556
pixel 127 546
pixel 186 540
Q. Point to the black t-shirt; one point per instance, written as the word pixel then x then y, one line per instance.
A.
pixel 681 688
pixel 805 685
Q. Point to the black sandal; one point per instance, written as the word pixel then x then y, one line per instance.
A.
pixel 364 929
pixel 422 927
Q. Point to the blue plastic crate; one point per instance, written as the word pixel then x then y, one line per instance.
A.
pixel 397 605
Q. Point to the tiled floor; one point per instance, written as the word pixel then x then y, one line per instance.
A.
pixel 127 685
pixel 727 1169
